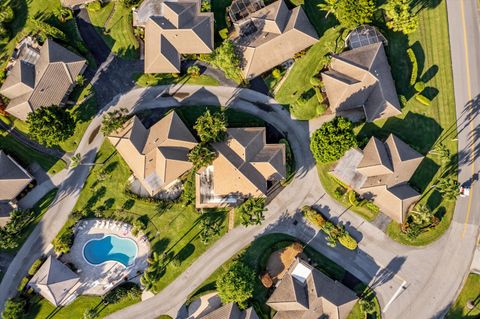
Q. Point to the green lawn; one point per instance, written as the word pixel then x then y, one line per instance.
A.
pixel 44 309
pixel 330 184
pixel 26 155
pixel 118 32
pixel 256 255
pixel 147 79
pixel 20 27
pixel 470 292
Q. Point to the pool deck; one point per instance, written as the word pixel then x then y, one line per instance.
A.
pixel 99 279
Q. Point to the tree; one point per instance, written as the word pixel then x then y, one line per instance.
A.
pixel 251 211
pixel 367 305
pixel 206 6
pixel 422 215
pixel 80 80
pixel 350 13
pixel 400 16
pixel 201 156
pixel 47 31
pixel 6 14
pixel 63 243
pixel 211 127
pixel 443 152
pixel 50 125
pixel 225 58
pixel 114 120
pixel 211 227
pixel 75 160
pixel 63 14
pixel 194 71
pixel 14 308
pixel 449 188
pixel 236 284
pixel 9 234
pixel 332 140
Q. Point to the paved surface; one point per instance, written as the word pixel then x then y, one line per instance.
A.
pixel 92 39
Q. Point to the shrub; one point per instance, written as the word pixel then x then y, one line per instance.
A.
pixel 318 94
pixel 320 109
pixel 422 99
pixel 419 86
pixel 35 266
pixel 64 242
pixel 313 217
pixel 188 195
pixel 276 74
pixel 348 241
pixel 374 208
pixel 339 192
pixel 403 100
pixel 223 33
pixel 352 198
pixel 23 284
pixel 315 81
pixel 14 308
pixel 413 60
pixel 194 71
pixel 236 284
pixel 94 6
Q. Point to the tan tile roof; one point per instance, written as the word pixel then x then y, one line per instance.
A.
pixel 231 311
pixel 245 162
pixel 157 156
pixel 13 178
pixel 46 83
pixel 362 78
pixel 172 29
pixel 280 33
pixel 381 173
pixel 54 281
pixel 317 296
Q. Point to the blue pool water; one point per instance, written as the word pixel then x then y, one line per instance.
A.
pixel 110 248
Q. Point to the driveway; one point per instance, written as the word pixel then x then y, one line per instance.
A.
pixel 90 36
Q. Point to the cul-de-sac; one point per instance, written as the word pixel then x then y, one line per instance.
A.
pixel 239 159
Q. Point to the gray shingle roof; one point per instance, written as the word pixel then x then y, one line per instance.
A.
pixel 13 177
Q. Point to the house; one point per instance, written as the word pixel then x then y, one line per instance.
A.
pixel 158 156
pixel 381 172
pixel 246 166
pixel 42 79
pixel 173 28
pixel 361 79
pixel 231 311
pixel 55 282
pixel 270 36
pixel 305 292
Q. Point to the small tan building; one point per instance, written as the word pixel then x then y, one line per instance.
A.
pixel 381 172
pixel 231 311
pixel 271 36
pixel 361 79
pixel 173 28
pixel 55 282
pixel 44 80
pixel 245 167
pixel 306 293
pixel 13 177
pixel 158 156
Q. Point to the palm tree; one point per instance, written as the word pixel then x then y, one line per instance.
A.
pixel 201 156
pixel 421 215
pixel 449 188
pixel 75 160
pixel 330 6
pixel 63 14
pixel 367 306
pixel 443 152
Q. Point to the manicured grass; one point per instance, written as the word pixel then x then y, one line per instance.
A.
pixel 118 32
pixel 470 292
pixel 26 155
pixel 40 209
pixel 172 229
pixel 20 27
pixel 256 255
pixel 330 184
pixel 44 309
pixel 146 79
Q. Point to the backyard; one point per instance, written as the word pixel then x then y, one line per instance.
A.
pixel 256 256
pixel 114 23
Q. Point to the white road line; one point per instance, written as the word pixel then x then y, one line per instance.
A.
pixel 397 293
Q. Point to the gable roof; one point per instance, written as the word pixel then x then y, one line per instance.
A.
pixel 158 155
pixel 317 296
pixel 13 177
pixel 231 311
pixel 278 34
pixel 361 77
pixel 172 29
pixel 46 83
pixel 54 281
pixel 245 162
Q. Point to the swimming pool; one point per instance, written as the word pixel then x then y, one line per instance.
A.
pixel 110 248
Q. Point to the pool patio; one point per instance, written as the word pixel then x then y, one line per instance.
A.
pixel 99 279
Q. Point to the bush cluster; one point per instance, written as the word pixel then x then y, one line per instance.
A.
pixel 422 99
pixel 413 60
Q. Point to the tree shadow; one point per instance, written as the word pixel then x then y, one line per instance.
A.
pixel 161 245
pixel 424 174
pixel 388 273
pixel 430 93
pixel 419 5
pixel 429 74
pixel 420 56
pixel 128 204
pixel 186 252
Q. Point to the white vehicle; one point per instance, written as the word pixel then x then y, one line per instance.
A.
pixel 464 191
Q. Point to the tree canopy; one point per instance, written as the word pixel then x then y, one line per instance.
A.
pixel 332 140
pixel 225 58
pixel 350 13
pixel 50 125
pixel 449 188
pixel 211 127
pixel 400 16
pixel 251 211
pixel 14 308
pixel 236 284
pixel 201 156
pixel 114 120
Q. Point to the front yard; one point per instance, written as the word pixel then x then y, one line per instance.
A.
pixel 470 293
pixel 147 79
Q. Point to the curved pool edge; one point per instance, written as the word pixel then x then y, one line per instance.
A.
pixel 108 261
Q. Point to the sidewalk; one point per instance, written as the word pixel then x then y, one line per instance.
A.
pixel 42 189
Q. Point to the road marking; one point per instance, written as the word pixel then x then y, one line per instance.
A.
pixel 395 295
pixel 469 92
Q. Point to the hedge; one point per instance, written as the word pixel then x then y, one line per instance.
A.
pixel 23 284
pixel 35 266
pixel 348 242
pixel 422 99
pixel 419 86
pixel 314 217
pixel 413 60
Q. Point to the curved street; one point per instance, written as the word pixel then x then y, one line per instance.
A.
pixel 410 282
